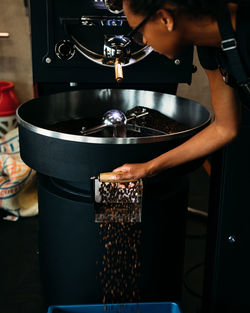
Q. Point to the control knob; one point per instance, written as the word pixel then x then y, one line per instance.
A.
pixel 65 50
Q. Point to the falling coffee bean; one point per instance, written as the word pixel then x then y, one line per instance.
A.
pixel 120 237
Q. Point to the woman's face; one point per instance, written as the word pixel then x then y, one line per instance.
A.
pixel 160 32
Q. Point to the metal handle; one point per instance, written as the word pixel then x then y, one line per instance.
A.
pixel 118 71
pixel 134 116
pixel 93 129
pixel 108 178
pixel 4 35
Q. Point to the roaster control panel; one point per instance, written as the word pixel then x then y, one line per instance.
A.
pixel 56 60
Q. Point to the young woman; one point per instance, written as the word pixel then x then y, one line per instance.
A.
pixel 171 25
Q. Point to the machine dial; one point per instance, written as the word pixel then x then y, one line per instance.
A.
pixel 65 50
pixel 114 6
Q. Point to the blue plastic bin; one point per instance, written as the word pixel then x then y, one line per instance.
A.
pixel 156 307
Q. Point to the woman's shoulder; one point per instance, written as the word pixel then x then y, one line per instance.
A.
pixel 208 56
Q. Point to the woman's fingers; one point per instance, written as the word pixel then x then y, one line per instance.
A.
pixel 122 172
pixel 126 185
pixel 123 169
pixel 125 176
pixel 131 171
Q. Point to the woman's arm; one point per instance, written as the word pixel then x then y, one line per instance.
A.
pixel 220 132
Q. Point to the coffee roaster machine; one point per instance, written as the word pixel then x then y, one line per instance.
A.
pixel 75 47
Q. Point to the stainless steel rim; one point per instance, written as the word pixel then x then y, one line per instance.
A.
pixel 110 140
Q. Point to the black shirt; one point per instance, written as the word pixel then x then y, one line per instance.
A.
pixel 211 58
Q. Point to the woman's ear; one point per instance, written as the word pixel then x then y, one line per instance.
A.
pixel 166 18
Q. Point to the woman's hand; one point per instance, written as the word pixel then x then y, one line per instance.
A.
pixel 133 171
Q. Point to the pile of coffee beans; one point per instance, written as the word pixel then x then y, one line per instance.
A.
pixel 120 237
pixel 156 120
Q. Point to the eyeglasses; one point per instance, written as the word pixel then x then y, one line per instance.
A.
pixel 135 34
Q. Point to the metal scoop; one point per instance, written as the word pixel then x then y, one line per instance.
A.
pixel 115 204
pixel 116 119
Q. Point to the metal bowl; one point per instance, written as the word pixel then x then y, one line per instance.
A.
pixel 77 157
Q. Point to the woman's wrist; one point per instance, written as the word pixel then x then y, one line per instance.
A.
pixel 157 165
pixel 151 168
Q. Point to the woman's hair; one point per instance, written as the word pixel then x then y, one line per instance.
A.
pixel 196 8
